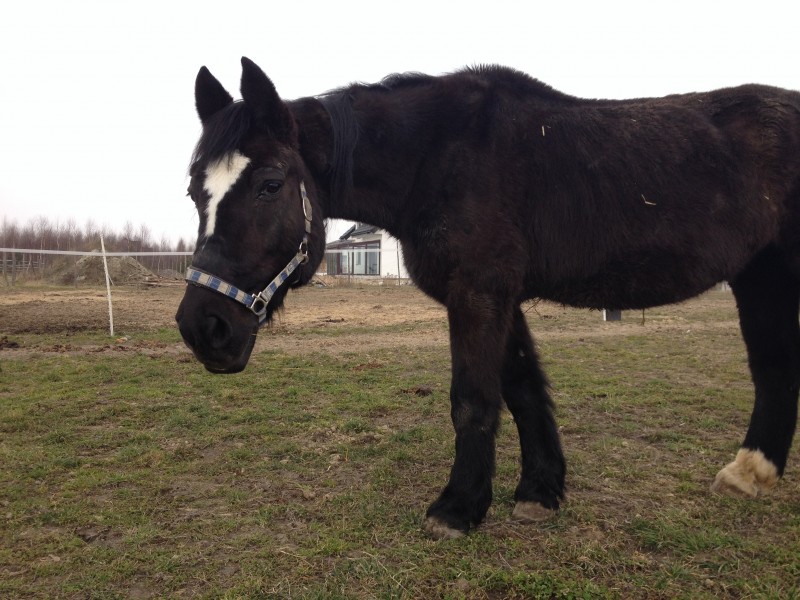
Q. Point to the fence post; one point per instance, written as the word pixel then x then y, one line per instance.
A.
pixel 398 262
pixel 108 287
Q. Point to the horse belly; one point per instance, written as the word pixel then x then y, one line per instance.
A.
pixel 673 254
pixel 647 280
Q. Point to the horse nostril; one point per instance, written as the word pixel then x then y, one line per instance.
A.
pixel 217 330
pixel 186 332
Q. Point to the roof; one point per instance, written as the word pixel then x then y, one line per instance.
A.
pixel 359 229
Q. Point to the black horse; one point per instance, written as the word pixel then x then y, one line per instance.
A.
pixel 502 189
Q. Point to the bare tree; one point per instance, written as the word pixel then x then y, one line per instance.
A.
pixel 144 235
pixel 8 239
pixel 90 233
pixel 127 235
pixel 71 230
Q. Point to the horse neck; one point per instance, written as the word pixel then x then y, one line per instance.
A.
pixel 380 137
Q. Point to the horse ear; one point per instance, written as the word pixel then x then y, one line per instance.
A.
pixel 209 95
pixel 271 113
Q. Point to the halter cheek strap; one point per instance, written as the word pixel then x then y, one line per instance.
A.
pixel 257 303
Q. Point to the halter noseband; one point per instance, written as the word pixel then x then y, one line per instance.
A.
pixel 257 303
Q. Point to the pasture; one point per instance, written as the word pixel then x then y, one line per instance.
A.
pixel 128 471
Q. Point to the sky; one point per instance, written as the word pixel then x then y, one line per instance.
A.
pixel 97 118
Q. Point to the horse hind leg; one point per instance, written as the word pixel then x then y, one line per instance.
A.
pixel 768 297
pixel 541 484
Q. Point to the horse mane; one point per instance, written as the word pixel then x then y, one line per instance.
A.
pixel 398 81
pixel 345 128
pixel 519 81
pixel 223 133
pixel 345 133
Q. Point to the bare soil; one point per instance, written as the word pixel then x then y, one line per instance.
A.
pixel 340 318
pixel 42 311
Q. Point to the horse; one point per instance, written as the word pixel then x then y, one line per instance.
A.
pixel 502 189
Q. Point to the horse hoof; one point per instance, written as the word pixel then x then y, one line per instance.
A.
pixel 439 530
pixel 527 512
pixel 751 475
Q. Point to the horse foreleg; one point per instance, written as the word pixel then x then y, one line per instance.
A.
pixel 541 484
pixel 767 295
pixel 478 329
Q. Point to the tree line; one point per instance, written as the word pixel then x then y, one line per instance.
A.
pixel 43 234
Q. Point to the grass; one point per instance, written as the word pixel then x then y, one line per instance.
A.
pixel 135 474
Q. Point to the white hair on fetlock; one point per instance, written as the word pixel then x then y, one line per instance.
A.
pixel 752 474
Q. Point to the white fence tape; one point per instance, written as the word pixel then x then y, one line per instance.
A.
pixel 95 253
pixel 164 253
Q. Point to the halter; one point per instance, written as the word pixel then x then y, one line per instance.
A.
pixel 257 303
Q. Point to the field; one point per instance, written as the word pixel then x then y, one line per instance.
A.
pixel 127 471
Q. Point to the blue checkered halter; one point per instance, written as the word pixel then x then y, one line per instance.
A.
pixel 257 303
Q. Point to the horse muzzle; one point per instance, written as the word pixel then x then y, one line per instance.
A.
pixel 221 334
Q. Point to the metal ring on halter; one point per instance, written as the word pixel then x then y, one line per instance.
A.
pixel 259 308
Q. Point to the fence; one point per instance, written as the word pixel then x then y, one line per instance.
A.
pixel 358 263
pixel 45 265
pixel 41 264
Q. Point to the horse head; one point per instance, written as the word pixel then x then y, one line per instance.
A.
pixel 261 231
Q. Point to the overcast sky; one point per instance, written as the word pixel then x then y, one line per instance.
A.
pixel 97 113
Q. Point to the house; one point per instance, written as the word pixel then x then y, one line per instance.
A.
pixel 365 250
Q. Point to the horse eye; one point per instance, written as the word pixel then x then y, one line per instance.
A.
pixel 271 187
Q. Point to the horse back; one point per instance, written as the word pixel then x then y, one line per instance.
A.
pixel 622 204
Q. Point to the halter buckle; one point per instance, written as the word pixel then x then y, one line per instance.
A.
pixel 259 307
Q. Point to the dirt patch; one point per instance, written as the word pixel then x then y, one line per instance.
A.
pixel 60 310
pixel 334 320
pixel 6 344
pixel 138 308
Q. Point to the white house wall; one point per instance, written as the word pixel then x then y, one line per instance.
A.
pixel 392 257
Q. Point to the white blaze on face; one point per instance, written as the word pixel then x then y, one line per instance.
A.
pixel 221 176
